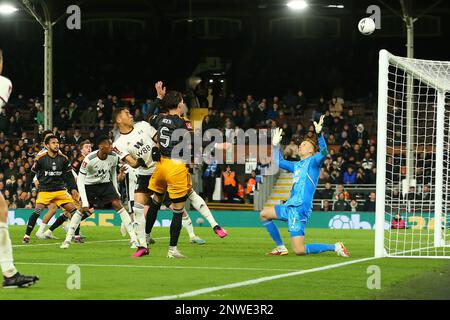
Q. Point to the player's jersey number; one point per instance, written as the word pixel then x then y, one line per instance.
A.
pixel 164 139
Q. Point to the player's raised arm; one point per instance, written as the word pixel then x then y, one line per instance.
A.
pixel 320 157
pixel 276 152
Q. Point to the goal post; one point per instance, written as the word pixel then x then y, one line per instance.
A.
pixel 413 158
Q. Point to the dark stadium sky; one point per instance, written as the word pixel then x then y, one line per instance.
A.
pixel 124 46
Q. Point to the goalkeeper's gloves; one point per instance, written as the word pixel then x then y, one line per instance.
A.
pixel 319 125
pixel 277 136
pixel 141 163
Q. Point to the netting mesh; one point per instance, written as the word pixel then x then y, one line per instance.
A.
pixel 412 111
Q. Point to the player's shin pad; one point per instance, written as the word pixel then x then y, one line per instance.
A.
pixel 140 224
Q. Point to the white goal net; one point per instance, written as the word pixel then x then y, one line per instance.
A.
pixel 413 162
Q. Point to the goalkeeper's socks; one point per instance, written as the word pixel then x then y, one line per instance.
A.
pixel 273 231
pixel 319 247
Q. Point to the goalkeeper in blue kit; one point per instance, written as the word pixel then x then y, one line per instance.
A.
pixel 297 209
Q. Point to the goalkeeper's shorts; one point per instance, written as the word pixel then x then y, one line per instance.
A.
pixel 295 216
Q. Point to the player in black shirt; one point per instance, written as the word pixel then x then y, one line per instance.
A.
pixel 54 172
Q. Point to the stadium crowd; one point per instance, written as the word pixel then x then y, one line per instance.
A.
pixel 351 159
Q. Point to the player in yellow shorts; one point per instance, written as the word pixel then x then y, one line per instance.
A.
pixel 54 172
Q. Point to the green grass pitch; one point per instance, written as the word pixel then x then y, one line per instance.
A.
pixel 108 272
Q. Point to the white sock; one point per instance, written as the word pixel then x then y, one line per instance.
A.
pixel 126 220
pixel 73 225
pixel 6 257
pixel 139 221
pixel 187 224
pixel 42 227
pixel 282 247
pixel 172 248
pixel 200 205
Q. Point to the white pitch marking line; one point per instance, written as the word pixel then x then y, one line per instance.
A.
pixel 147 266
pixel 258 280
pixel 87 242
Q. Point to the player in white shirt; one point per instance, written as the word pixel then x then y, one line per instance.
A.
pixel 97 184
pixel 136 142
pixel 11 277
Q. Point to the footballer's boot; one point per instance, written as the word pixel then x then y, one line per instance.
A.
pixel 197 240
pixel 278 251
pixel 141 251
pixel 341 250
pixel 149 239
pixel 175 254
pixel 49 234
pixel 65 245
pixel 19 281
pixel 26 239
pixel 220 231
pixel 78 239
pixel 40 235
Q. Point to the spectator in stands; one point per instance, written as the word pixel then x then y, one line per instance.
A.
pixel 40 116
pixel 251 103
pixel 300 104
pixel 74 113
pixel 327 192
pixel 13 128
pixel 250 187
pixel 426 194
pixel 237 119
pixel 272 113
pixel 247 120
pixel 335 177
pixel 209 178
pixel 354 206
pixel 89 117
pixel 361 177
pixel 332 140
pixel 326 206
pixel 76 137
pixel 349 176
pixel 367 162
pixel 361 133
pixel 336 108
pixel 370 203
pixel 259 115
pixel 411 195
pixel 341 204
pixel 229 183
pixel 340 189
pixel 287 134
pixel 398 222
pixel 356 153
pixel 351 119
pixel 291 152
pixel 148 108
pixel 319 109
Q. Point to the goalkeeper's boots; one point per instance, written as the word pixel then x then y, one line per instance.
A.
pixel 141 251
pixel 174 254
pixel 220 231
pixel 19 281
pixel 341 250
pixel 197 240
pixel 278 251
